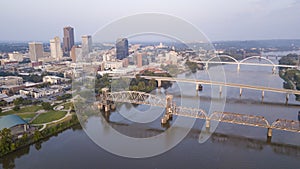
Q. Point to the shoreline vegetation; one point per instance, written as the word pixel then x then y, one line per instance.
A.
pixel 44 113
pixel 291 77
pixel 10 144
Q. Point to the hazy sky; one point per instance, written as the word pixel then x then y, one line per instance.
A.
pixel 27 20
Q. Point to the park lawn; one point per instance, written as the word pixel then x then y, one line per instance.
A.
pixel 49 117
pixel 28 109
pixel 67 105
pixel 26 116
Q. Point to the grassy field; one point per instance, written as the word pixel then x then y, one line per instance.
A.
pixel 26 115
pixel 67 105
pixel 28 109
pixel 49 116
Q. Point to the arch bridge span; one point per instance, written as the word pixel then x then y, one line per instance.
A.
pixel 243 62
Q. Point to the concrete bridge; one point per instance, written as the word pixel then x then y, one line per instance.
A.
pixel 234 61
pixel 108 100
pixel 263 89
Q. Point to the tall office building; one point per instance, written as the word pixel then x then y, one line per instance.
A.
pixel 139 60
pixel 36 51
pixel 76 53
pixel 68 40
pixel 55 48
pixel 86 45
pixel 122 48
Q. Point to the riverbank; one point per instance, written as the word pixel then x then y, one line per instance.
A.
pixel 27 140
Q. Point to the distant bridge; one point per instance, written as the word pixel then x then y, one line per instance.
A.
pixel 234 61
pixel 221 84
pixel 109 98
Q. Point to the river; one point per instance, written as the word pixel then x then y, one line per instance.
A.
pixel 230 146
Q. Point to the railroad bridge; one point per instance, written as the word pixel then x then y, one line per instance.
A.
pixel 108 100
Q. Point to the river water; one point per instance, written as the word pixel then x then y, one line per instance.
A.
pixel 230 146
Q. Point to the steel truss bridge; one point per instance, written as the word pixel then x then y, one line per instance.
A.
pixel 135 97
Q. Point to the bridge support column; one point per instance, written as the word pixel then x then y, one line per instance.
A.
pixel 269 132
pixel 168 113
pixel 287 98
pixel 220 90
pixel 238 67
pixel 107 108
pixel 207 124
pixel 206 66
pixel 262 95
pixel 274 70
pixel 159 83
pixel 241 91
pixel 105 103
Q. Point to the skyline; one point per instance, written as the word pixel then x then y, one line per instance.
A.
pixel 219 21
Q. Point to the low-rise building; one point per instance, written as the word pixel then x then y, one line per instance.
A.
pixel 38 93
pixel 54 79
pixel 16 124
pixel 11 80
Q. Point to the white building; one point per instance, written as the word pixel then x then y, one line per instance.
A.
pixel 38 93
pixel 113 65
pixel 172 57
pixel 15 56
pixel 86 45
pixel 55 48
pixel 54 79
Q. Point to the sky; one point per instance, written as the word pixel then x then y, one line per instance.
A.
pixel 41 20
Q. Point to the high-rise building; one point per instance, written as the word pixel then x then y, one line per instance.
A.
pixel 76 53
pixel 36 51
pixel 122 48
pixel 55 48
pixel 86 45
pixel 68 39
pixel 139 60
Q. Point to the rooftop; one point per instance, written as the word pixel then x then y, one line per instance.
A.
pixel 10 121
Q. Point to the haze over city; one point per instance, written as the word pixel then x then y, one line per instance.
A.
pixel 149 84
pixel 32 20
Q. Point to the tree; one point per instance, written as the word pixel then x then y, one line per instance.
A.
pixel 18 101
pixel 37 135
pixel 152 83
pixel 16 108
pixel 5 141
pixel 3 103
pixel 47 106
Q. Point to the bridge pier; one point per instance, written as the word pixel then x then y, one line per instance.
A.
pixel 238 67
pixel 241 91
pixel 206 66
pixel 262 95
pixel 220 90
pixel 198 87
pixel 269 132
pixel 159 83
pixel 207 124
pixel 287 98
pixel 274 70
pixel 168 113
pixel 105 104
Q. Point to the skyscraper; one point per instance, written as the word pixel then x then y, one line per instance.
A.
pixel 55 48
pixel 36 51
pixel 139 60
pixel 86 45
pixel 68 39
pixel 76 53
pixel 122 48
